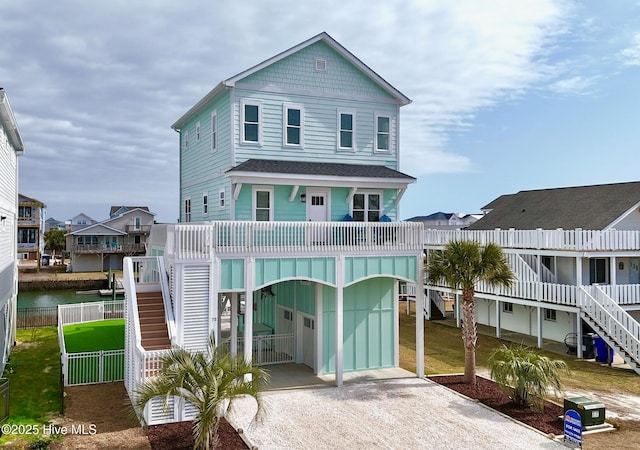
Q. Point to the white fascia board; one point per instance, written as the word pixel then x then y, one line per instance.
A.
pixel 8 119
pixel 105 230
pixel 622 217
pixel 319 180
pixel 198 106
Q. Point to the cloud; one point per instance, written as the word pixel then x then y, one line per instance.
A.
pixel 575 85
pixel 631 55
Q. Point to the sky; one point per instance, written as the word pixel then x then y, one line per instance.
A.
pixel 506 95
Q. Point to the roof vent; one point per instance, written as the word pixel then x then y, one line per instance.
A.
pixel 321 65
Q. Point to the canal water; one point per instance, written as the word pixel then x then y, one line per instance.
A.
pixel 37 299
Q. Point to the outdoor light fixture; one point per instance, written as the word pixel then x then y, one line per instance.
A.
pixel 303 198
pixel 621 265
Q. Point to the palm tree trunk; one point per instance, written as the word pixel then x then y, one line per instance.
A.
pixel 469 335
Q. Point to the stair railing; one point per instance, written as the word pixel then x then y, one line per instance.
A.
pixel 619 326
pixel 166 298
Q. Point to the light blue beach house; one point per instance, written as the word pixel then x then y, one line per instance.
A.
pixel 288 241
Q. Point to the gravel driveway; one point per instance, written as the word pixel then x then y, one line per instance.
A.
pixel 394 414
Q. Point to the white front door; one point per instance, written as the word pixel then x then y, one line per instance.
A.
pixel 317 207
pixel 306 340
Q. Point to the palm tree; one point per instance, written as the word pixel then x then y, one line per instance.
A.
pixel 526 374
pixel 209 380
pixel 461 265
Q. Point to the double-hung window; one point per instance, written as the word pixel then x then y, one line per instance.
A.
pixel 214 131
pixel 221 197
pixel 293 125
pixel 383 134
pixel 187 210
pixel 262 204
pixel 185 138
pixel 198 132
pixel 205 203
pixel 251 116
pixel 346 130
pixel 366 207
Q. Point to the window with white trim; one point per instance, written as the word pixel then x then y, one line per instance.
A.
pixel 383 134
pixel 346 130
pixel 187 210
pixel 251 115
pixel 214 131
pixel 365 207
pixel 262 204
pixel 205 203
pixel 321 65
pixel 221 198
pixel 293 125
pixel 185 139
pixel 198 132
pixel 550 314
pixel 507 307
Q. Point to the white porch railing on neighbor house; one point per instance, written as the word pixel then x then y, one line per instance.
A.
pixel 619 326
pixel 191 241
pixel 272 348
pixel 577 239
pixel 99 366
pixel 624 294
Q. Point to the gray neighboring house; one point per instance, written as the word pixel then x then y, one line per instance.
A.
pixel 53 224
pixel 101 246
pixel 446 221
pixel 11 147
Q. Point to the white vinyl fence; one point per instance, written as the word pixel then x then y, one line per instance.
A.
pixel 100 366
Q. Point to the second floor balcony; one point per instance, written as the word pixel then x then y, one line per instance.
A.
pixel 128 249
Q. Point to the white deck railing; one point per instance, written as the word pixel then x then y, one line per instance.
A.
pixel 190 241
pixel 578 239
pixel 623 329
pixel 272 348
pixel 89 312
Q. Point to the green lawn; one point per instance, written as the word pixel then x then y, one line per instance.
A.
pixel 94 336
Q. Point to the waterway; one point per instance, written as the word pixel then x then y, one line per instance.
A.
pixel 36 299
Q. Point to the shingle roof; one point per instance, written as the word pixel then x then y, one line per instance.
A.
pixel 319 168
pixel 588 207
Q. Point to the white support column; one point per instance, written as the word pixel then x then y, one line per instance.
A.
pixel 539 326
pixel 248 310
pixel 339 318
pixel 457 309
pixel 420 319
pixel 234 323
pixel 319 329
pixel 396 321
pixel 612 271
pixel 579 299
pixel 498 319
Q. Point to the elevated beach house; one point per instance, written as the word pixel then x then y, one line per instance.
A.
pixel 11 147
pixel 288 242
pixel 576 254
pixel 31 220
pixel 101 246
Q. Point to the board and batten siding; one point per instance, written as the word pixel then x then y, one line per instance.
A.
pixel 195 307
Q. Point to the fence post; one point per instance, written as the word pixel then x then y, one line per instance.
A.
pixel 101 366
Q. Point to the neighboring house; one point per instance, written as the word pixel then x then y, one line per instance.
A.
pixel 81 221
pixel 576 255
pixel 31 213
pixel 101 246
pixel 289 172
pixel 446 221
pixel 11 147
pixel 53 224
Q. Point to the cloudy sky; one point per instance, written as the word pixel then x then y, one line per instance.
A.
pixel 507 95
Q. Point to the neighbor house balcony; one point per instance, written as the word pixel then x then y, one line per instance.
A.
pixel 138 229
pixel 570 240
pixel 103 248
pixel 273 239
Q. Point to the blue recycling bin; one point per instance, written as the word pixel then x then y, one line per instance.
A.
pixel 601 350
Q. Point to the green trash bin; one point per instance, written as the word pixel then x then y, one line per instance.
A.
pixel 591 412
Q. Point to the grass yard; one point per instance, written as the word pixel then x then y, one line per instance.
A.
pixel 34 379
pixel 94 336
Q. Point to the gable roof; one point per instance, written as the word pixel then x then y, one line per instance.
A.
pixel 434 216
pixel 8 122
pixel 25 199
pixel 335 45
pixel 318 174
pixel 118 210
pixel 593 207
pixel 97 229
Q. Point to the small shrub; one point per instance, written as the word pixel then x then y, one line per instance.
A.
pixel 526 375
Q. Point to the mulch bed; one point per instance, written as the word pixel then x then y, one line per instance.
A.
pixel 489 393
pixel 178 436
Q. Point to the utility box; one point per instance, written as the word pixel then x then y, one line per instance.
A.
pixel 591 412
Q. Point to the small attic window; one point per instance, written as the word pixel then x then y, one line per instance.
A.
pixel 321 65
